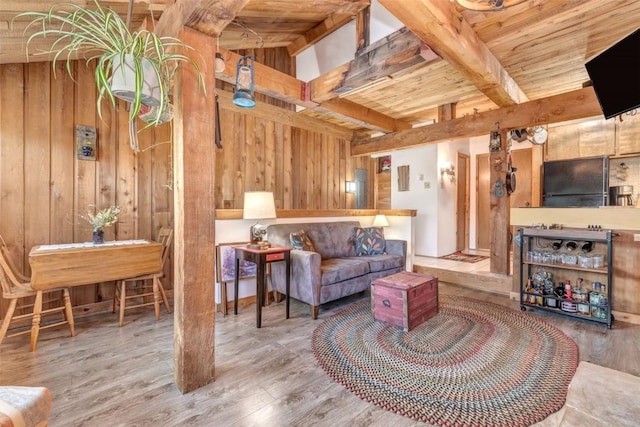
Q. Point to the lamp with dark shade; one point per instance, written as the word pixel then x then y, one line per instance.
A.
pixel 258 205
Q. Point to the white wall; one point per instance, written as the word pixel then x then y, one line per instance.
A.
pixel 422 162
pixel 340 47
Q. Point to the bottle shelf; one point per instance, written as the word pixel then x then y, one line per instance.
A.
pixel 536 300
pixel 576 267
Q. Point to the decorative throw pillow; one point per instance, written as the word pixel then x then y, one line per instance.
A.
pixel 301 241
pixel 369 241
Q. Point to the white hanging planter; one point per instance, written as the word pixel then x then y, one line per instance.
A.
pixel 123 81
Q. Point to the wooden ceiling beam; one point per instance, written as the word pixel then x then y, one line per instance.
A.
pixel 318 32
pixel 441 26
pixel 387 58
pixel 267 81
pixel 350 112
pixel 289 89
pixel 207 16
pixel 572 105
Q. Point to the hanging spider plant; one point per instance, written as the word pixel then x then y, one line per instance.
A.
pixel 100 34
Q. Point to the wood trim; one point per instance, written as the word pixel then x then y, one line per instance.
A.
pixel 290 118
pixel 226 214
pixel 572 105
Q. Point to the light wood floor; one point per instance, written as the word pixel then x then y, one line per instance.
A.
pixel 112 376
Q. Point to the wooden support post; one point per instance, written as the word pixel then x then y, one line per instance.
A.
pixel 499 205
pixel 363 25
pixel 194 210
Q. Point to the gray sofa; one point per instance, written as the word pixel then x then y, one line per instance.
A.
pixel 334 271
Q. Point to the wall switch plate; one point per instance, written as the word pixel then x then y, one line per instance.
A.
pixel 636 237
pixel 427 185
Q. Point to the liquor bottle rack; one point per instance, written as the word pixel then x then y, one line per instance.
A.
pixel 529 299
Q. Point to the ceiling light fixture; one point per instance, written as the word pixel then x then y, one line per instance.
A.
pixel 488 5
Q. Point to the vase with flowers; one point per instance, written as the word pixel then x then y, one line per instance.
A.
pixel 104 218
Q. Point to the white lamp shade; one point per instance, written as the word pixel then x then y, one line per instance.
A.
pixel 380 221
pixel 258 205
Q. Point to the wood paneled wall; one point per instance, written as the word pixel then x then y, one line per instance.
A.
pixel 305 169
pixel 44 188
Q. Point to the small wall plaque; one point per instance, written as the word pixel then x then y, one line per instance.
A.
pixel 86 143
pixel 403 178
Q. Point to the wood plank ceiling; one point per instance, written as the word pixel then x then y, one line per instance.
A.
pixel 479 60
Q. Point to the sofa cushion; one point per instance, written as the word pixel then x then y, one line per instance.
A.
pixel 369 241
pixel 383 262
pixel 300 240
pixel 338 269
pixel 331 239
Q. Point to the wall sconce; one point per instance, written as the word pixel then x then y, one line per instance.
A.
pixel 380 221
pixel 258 205
pixel 243 96
pixel 350 187
pixel 220 63
pixel 450 170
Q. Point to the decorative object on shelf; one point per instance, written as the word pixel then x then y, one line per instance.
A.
pixel 258 205
pixel 104 218
pixel 243 96
pixel 488 5
pixel 86 144
pixel 139 58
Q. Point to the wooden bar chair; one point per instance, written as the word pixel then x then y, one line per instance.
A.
pixel 143 292
pixel 15 287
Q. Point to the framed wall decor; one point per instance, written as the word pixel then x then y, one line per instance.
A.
pixel 384 164
pixel 226 264
pixel 403 178
pixel 86 143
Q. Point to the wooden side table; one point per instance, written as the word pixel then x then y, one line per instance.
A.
pixel 261 258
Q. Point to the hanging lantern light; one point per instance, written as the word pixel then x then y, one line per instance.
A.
pixel 243 96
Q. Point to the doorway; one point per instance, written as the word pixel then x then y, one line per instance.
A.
pixel 462 201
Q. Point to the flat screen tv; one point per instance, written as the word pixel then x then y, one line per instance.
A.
pixel 615 75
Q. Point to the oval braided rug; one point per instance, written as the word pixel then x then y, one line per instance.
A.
pixel 474 363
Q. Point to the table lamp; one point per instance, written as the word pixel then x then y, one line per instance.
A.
pixel 380 221
pixel 258 205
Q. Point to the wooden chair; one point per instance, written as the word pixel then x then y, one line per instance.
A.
pixel 16 286
pixel 165 236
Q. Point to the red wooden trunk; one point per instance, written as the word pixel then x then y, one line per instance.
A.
pixel 404 299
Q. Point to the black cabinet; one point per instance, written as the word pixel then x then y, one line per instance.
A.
pixel 567 271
